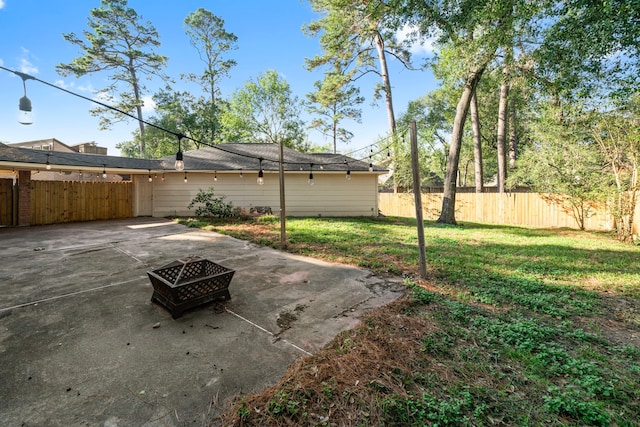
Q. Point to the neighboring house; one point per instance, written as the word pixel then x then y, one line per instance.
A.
pixel 232 169
pixel 53 145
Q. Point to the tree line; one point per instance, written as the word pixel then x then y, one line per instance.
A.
pixel 532 92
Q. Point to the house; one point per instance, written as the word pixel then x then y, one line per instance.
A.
pixel 53 144
pixel 341 186
pixel 232 170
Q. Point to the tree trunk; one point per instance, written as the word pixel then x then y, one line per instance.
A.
pixel 502 129
pixel 386 84
pixel 513 137
pixel 136 93
pixel 447 214
pixel 334 130
pixel 477 144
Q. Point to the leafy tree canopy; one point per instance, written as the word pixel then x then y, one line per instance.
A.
pixel 265 110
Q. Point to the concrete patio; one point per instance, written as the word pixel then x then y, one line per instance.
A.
pixel 81 343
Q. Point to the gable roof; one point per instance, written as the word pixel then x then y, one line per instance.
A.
pixel 222 157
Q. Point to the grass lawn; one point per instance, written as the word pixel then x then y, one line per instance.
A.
pixel 515 326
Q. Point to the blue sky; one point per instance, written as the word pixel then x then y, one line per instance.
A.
pixel 269 37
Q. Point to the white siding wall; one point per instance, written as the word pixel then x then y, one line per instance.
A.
pixel 331 194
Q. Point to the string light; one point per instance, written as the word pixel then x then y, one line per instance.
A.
pixel 241 176
pixel 185 176
pixel 26 103
pixel 25 116
pixel 162 177
pixel 179 165
pixel 260 174
pixel 215 176
pixel 150 179
pixel 48 165
pixel 311 174
pixel 104 171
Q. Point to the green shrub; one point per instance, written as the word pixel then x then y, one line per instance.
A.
pixel 211 206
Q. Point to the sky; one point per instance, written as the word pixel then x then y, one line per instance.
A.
pixel 269 38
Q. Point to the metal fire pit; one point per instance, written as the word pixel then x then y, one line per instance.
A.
pixel 189 282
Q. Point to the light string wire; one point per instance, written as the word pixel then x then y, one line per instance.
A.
pixel 180 136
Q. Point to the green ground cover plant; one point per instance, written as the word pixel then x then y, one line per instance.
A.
pixel 515 326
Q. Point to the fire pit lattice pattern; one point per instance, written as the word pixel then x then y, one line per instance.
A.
pixel 186 283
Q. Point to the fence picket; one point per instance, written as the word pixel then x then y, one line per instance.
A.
pixel 54 202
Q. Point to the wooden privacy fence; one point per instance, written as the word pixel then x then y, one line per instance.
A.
pixel 7 202
pixel 54 202
pixel 526 209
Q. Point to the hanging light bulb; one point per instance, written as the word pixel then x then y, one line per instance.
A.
pixel 215 176
pixel 25 116
pixel 48 165
pixel 311 174
pixel 179 165
pixel 241 176
pixel 348 175
pixel 104 171
pixel 150 179
pixel 260 174
pixel 179 161
pixel 162 177
pixel 370 167
pixel 185 176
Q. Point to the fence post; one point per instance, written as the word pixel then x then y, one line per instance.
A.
pixel 413 137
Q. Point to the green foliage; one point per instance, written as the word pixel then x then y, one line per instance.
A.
pixel 428 410
pixel 418 293
pixel 333 101
pixel 591 49
pixel 433 119
pixel 118 41
pixel 573 404
pixel 348 31
pixel 617 135
pixel 267 219
pixel 208 36
pixel 563 164
pixel 174 112
pixel 284 404
pixel 210 205
pixel 265 110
